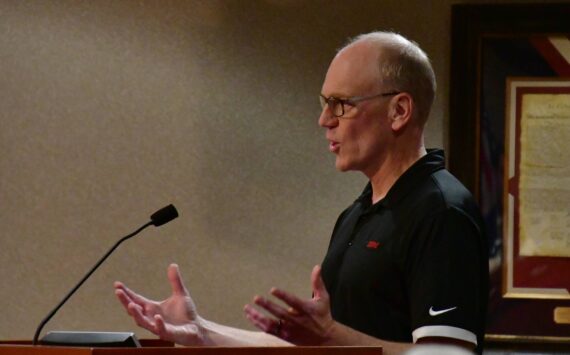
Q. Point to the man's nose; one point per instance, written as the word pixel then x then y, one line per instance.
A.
pixel 327 119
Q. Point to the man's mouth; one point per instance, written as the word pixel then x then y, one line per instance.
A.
pixel 334 146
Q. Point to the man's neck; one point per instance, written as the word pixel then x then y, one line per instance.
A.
pixel 390 171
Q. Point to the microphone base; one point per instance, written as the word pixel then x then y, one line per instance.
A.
pixel 91 339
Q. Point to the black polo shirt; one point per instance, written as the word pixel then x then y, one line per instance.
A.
pixel 414 264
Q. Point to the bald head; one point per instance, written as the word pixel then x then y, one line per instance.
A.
pixel 353 72
pixel 402 65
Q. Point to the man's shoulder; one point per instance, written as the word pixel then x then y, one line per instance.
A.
pixel 452 191
pixel 439 194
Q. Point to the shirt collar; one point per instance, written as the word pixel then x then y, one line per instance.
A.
pixel 433 161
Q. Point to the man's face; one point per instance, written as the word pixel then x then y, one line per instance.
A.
pixel 359 138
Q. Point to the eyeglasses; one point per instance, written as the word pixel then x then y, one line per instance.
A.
pixel 336 105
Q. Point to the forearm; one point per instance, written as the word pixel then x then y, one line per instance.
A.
pixel 341 335
pixel 221 335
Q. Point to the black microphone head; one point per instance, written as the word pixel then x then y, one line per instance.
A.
pixel 164 215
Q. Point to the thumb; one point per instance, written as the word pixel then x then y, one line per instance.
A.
pixel 175 280
pixel 318 285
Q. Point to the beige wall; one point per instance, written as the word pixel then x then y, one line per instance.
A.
pixel 111 109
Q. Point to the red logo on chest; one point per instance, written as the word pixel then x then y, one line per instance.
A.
pixel 372 244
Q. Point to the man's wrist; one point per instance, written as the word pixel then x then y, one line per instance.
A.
pixel 330 333
pixel 204 332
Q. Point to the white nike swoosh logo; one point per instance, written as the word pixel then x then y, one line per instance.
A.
pixel 434 313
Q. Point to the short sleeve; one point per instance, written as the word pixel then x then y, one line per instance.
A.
pixel 444 277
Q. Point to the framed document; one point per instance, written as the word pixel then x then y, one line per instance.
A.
pixel 536 190
pixel 509 144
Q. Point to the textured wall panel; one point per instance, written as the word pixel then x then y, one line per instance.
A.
pixel 112 109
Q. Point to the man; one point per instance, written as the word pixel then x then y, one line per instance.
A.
pixel 407 261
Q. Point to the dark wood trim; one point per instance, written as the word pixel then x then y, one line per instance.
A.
pixel 469 24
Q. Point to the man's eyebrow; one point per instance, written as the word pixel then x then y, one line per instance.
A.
pixel 339 96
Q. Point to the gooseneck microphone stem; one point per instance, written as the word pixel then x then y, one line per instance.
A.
pixel 54 311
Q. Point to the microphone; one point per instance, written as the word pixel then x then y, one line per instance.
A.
pixel 160 217
pixel 164 215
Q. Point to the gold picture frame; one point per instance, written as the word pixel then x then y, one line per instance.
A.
pixel 536 189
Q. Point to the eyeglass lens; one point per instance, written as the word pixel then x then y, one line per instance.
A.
pixel 335 105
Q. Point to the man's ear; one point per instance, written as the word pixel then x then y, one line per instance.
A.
pixel 402 109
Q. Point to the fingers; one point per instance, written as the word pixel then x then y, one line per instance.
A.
pixel 272 307
pixel 161 328
pixel 176 282
pixel 138 307
pixel 298 308
pixel 123 298
pixel 136 311
pixel 297 304
pixel 259 319
pixel 131 295
pixel 141 320
pixel 278 327
pixel 122 294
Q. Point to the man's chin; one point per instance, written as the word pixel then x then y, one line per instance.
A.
pixel 341 166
